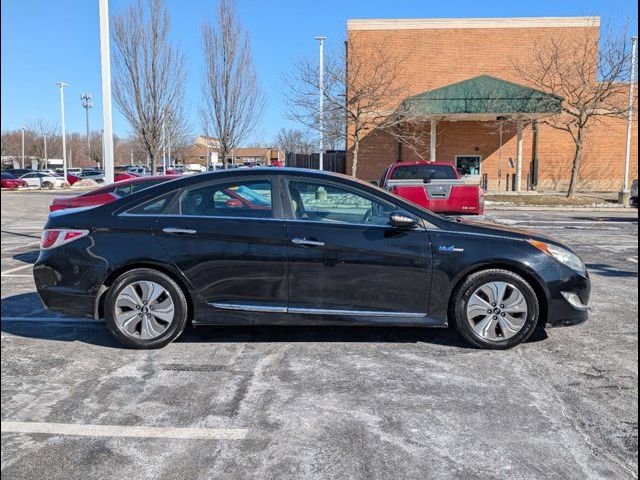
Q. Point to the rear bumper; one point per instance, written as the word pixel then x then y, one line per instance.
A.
pixel 66 284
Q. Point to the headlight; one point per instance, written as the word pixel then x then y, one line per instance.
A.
pixel 562 255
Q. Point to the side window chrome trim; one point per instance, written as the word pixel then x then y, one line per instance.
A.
pixel 338 224
pixel 209 217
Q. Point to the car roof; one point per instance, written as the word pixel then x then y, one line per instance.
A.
pixel 441 164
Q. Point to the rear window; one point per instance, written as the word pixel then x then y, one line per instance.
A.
pixel 426 173
pixel 7 176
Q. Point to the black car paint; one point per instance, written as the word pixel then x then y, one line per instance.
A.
pixel 361 267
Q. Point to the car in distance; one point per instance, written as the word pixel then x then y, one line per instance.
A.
pixel 634 194
pixel 108 193
pixel 43 180
pixel 436 186
pixel 325 250
pixel 10 181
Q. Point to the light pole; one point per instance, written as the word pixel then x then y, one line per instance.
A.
pixel 624 195
pixel 46 160
pixel 61 85
pixel 105 63
pixel 22 128
pixel 87 103
pixel 321 40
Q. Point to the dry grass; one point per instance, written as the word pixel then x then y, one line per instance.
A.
pixel 550 200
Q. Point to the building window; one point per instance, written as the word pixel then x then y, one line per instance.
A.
pixel 468 164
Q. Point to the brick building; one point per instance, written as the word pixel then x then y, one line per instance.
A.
pixel 441 58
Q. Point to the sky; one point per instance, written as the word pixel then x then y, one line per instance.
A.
pixel 46 41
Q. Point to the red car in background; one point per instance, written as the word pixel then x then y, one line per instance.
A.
pixel 436 186
pixel 108 193
pixel 9 181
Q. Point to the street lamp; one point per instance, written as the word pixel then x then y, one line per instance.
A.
pixel 321 40
pixel 87 103
pixel 22 128
pixel 624 195
pixel 61 85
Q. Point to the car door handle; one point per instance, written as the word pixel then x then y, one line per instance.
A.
pixel 179 231
pixel 305 242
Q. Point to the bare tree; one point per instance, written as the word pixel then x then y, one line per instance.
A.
pixel 364 93
pixel 233 99
pixel 150 74
pixel 589 73
pixel 291 140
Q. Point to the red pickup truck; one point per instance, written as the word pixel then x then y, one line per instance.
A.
pixel 434 185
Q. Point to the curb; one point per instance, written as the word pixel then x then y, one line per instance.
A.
pixel 559 209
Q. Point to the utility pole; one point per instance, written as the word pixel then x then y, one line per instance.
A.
pixel 321 40
pixel 623 197
pixel 107 121
pixel 164 151
pixel 22 128
pixel 46 161
pixel 87 103
pixel 61 85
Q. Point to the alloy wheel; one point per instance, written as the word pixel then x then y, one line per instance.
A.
pixel 144 310
pixel 497 311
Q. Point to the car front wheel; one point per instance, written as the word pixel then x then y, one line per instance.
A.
pixel 145 309
pixel 495 309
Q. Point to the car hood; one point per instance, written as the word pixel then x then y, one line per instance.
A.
pixel 504 231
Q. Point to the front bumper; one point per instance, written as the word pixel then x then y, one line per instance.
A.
pixel 568 302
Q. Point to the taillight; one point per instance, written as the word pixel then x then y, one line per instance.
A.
pixel 54 207
pixel 57 237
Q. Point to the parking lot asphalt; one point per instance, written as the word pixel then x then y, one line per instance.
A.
pixel 288 402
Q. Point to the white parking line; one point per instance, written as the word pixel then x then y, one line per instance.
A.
pixel 21 267
pixel 632 260
pixel 50 319
pixel 125 431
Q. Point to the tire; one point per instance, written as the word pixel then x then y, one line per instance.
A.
pixel 142 328
pixel 467 301
pixel 47 185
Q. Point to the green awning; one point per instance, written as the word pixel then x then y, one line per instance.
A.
pixel 482 96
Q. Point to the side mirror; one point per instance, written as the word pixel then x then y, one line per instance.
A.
pixel 400 219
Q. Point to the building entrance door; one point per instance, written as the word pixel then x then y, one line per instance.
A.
pixel 468 164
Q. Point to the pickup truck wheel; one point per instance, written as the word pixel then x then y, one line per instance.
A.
pixel 495 309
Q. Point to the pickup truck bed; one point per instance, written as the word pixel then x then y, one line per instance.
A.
pixel 453 195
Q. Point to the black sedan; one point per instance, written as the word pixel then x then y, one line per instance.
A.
pixel 287 246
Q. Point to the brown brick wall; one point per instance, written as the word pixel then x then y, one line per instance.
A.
pixel 436 57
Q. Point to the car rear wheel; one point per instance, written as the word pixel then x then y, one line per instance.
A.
pixel 47 185
pixel 145 309
pixel 495 309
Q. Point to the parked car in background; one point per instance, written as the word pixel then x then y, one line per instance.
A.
pixel 17 172
pixel 11 181
pixel 634 194
pixel 138 170
pixel 83 175
pixel 43 180
pixel 181 253
pixel 70 171
pixel 436 186
pixel 108 193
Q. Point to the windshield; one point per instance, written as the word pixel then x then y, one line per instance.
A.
pixel 426 173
